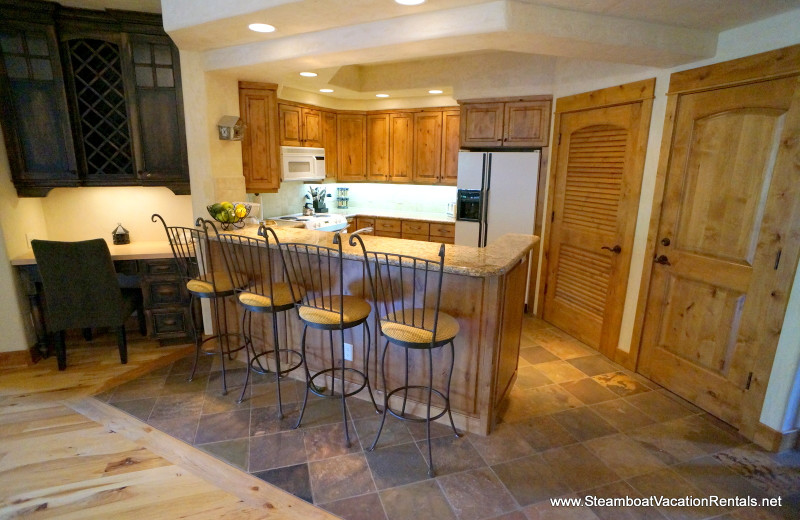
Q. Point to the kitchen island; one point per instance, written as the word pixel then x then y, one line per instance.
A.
pixel 483 288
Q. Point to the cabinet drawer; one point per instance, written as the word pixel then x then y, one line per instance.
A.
pixel 445 230
pixel 389 234
pixel 415 227
pixel 412 236
pixel 443 240
pixel 388 225
pixel 163 292
pixel 165 266
pixel 168 323
pixel 363 222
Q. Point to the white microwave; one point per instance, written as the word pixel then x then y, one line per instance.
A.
pixel 302 164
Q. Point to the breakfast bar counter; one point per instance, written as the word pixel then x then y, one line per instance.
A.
pixel 483 288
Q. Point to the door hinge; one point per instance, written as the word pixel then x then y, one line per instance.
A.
pixel 749 380
pixel 552 216
pixel 778 259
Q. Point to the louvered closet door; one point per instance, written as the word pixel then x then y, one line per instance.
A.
pixel 597 180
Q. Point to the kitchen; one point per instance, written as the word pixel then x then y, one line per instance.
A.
pixel 210 79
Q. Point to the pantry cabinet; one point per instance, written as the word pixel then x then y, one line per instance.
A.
pixel 506 123
pixel 258 108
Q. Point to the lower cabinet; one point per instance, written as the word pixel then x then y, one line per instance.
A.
pixel 422 230
pixel 166 300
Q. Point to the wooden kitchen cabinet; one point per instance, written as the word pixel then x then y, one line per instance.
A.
pixel 366 222
pixel 331 145
pixel 443 232
pixel 401 147
pixel 378 147
pixel 427 147
pixel 258 108
pixel 451 144
pixel 352 138
pixel 300 126
pixel 388 227
pixel 416 230
pixel 506 123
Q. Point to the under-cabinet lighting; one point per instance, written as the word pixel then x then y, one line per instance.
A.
pixel 261 27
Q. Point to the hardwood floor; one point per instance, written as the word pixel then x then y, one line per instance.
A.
pixel 65 456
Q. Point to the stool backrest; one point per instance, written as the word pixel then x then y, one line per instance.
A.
pixel 190 249
pixel 249 262
pixel 402 284
pixel 318 270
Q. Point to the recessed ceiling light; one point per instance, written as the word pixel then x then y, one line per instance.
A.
pixel 261 27
pixel 381 95
pixel 309 74
pixel 326 90
pixel 410 2
pixel 435 91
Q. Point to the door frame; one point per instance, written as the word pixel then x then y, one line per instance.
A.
pixel 639 91
pixel 765 66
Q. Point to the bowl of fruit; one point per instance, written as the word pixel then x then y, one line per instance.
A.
pixel 230 215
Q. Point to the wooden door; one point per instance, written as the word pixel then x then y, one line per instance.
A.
pixel 527 124
pixel 451 121
pixel 351 131
pixel 597 177
pixel 378 147
pixel 330 143
pixel 290 121
pixel 401 147
pixel 726 245
pixel 427 146
pixel 258 106
pixel 481 124
pixel 312 127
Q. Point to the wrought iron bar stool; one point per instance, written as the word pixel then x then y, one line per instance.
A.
pixel 319 271
pixel 251 268
pixel 202 279
pixel 407 292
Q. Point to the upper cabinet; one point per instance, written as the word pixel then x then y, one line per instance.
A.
pixel 331 145
pixel 91 98
pixel 506 123
pixel 378 147
pixel 300 126
pixel 427 147
pixel 352 136
pixel 451 121
pixel 258 108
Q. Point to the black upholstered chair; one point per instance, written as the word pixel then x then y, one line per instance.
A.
pixel 81 291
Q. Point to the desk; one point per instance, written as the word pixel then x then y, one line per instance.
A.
pixel 146 265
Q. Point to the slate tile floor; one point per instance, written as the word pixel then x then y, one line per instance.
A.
pixel 576 424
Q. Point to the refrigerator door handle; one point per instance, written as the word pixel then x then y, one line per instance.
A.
pixel 487 185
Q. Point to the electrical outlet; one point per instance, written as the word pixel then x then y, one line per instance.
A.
pixel 348 352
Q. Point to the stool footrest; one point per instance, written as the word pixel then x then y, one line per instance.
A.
pixel 258 368
pixel 315 389
pixel 405 417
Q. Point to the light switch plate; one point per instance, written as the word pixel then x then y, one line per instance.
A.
pixel 348 352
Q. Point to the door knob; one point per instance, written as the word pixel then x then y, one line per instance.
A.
pixel 665 241
pixel 616 249
pixel 663 260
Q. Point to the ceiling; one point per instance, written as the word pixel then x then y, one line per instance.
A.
pixel 416 48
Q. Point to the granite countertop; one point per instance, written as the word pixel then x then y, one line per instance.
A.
pixel 495 259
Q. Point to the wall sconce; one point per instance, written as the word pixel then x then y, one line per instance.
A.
pixel 231 128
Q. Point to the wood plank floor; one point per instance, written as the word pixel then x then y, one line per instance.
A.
pixel 63 455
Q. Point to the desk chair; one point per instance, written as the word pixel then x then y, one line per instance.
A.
pixel 319 271
pixel 407 292
pixel 81 291
pixel 202 279
pixel 250 267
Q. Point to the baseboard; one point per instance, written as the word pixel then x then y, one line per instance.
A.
pixel 19 358
pixel 775 441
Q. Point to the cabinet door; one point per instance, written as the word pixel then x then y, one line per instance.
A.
pixel 258 108
pixel 33 111
pixel 427 147
pixel 312 127
pixel 352 136
pixel 290 121
pixel 481 125
pixel 527 124
pixel 160 149
pixel 330 143
pixel 378 147
pixel 451 121
pixel 401 147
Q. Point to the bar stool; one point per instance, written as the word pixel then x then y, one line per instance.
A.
pixel 320 272
pixel 407 292
pixel 190 248
pixel 249 264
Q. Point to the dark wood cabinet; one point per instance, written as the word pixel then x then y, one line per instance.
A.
pixel 166 300
pixel 91 98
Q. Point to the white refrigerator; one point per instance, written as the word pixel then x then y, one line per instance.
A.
pixel 496 195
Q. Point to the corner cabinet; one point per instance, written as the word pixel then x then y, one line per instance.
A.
pixel 506 123
pixel 258 108
pixel 91 98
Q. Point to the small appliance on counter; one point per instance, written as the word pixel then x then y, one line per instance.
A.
pixel 342 198
pixel 121 235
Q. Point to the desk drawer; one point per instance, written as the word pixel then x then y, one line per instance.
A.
pixel 163 292
pixel 168 323
pixel 159 267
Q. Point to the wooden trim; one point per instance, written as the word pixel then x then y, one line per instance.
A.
pixel 618 95
pixel 541 196
pixel 775 441
pixel 758 67
pixel 258 86
pixel 545 242
pixel 542 97
pixel 19 358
